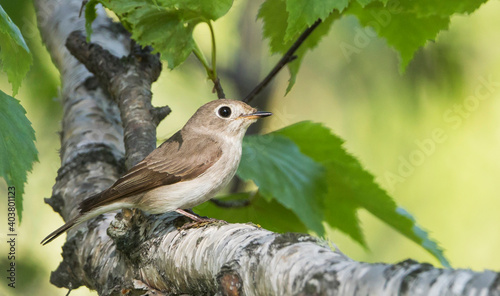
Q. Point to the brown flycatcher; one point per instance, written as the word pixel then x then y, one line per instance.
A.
pixel 186 170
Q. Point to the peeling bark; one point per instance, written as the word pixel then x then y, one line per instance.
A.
pixel 128 80
pixel 140 254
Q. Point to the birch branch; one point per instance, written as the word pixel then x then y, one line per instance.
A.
pixel 149 254
pixel 128 80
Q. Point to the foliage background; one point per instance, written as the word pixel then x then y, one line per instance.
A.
pixel 380 113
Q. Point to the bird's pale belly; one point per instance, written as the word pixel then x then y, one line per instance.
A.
pixel 187 194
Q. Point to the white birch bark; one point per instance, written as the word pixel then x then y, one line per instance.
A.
pixel 149 254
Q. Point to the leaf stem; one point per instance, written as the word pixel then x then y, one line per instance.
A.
pixel 211 71
pixel 201 57
pixel 214 50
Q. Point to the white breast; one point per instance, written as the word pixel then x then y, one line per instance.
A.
pixel 188 194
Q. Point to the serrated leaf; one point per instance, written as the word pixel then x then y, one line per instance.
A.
pixel 14 53
pixel 420 20
pixel 268 214
pixel 167 33
pixel 275 17
pixel 302 14
pixel 311 42
pixel 426 241
pixel 441 8
pixel 17 147
pixel 90 15
pixel 276 165
pixel 390 22
pixel 351 187
pixel 166 25
pixel 363 3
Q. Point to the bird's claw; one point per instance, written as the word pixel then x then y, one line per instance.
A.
pixel 201 223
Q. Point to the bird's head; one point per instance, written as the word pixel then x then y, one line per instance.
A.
pixel 224 117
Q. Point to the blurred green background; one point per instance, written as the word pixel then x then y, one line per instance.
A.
pixel 384 117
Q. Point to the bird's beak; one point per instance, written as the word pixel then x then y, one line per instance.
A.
pixel 256 115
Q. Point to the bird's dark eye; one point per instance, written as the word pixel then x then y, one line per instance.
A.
pixel 225 111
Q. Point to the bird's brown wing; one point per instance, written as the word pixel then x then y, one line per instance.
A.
pixel 176 160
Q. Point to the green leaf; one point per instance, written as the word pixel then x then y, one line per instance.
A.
pixel 302 14
pixel 420 20
pixel 282 172
pixel 274 16
pixel 17 147
pixel 426 241
pixel 285 20
pixel 311 42
pixel 90 15
pixel 14 53
pixel 166 25
pixel 441 8
pixel 363 3
pixel 279 31
pixel 270 215
pixel 390 22
pixel 351 187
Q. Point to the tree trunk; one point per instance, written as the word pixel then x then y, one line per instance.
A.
pixel 138 252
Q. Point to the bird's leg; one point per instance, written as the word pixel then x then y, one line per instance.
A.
pixel 197 220
pixel 193 216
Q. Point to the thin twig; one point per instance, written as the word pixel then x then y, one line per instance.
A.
pixel 218 88
pixel 287 58
pixel 239 203
pixel 84 2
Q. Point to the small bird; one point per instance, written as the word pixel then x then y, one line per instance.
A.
pixel 186 170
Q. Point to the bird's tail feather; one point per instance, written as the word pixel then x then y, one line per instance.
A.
pixel 59 231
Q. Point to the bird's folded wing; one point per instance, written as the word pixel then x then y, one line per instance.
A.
pixel 176 160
